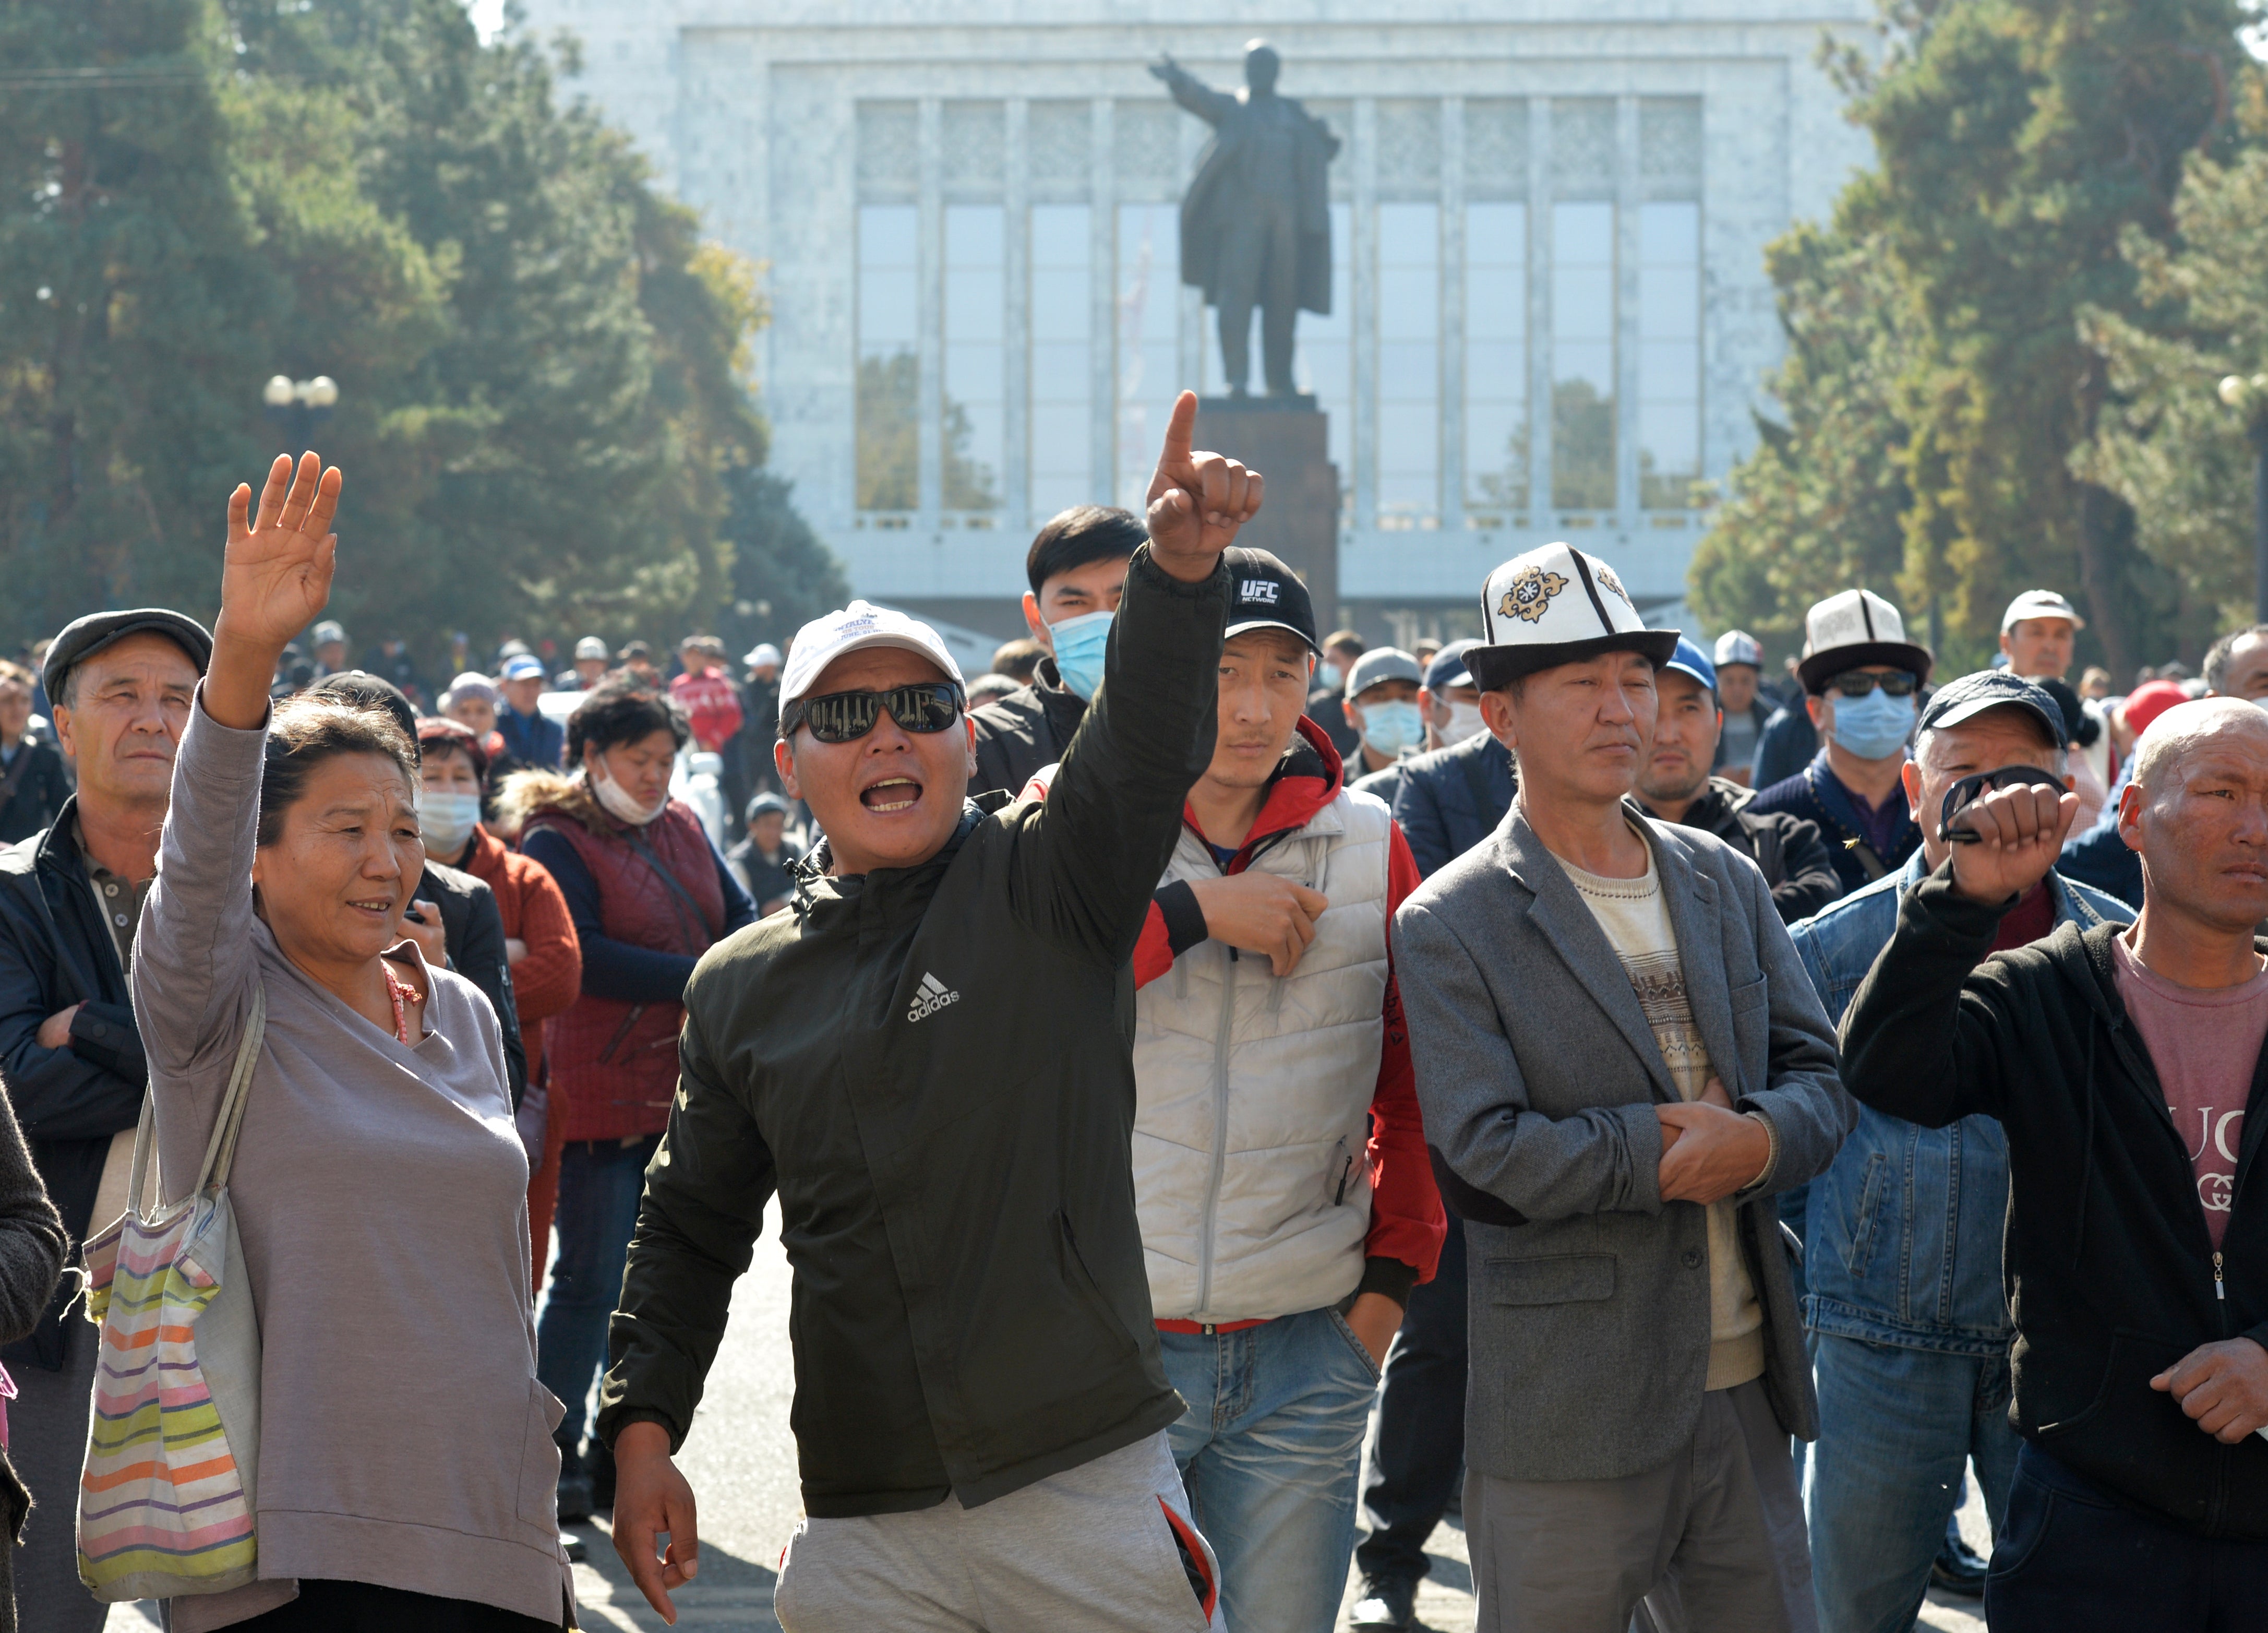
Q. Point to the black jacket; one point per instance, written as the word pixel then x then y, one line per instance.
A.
pixel 1024 731
pixel 2110 1274
pixel 32 1246
pixel 35 795
pixel 765 881
pixel 933 1067
pixel 1450 800
pixel 475 930
pixel 1787 849
pixel 56 951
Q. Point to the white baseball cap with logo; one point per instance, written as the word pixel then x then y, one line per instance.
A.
pixel 1851 631
pixel 1556 605
pixel 2040 604
pixel 858 626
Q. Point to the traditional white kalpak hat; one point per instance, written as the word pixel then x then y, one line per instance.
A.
pixel 1556 605
pixel 1850 632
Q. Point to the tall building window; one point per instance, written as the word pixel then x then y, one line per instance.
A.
pixel 975 359
pixel 1409 364
pixel 889 369
pixel 1496 361
pixel 1063 307
pixel 1149 284
pixel 1583 357
pixel 1669 355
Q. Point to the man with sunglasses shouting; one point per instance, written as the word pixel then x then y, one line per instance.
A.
pixel 1902 1268
pixel 928 1060
pixel 2121 1065
pixel 1860 675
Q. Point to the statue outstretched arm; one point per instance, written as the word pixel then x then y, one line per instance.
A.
pixel 1192 92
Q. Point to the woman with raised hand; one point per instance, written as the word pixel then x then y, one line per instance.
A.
pixel 406 1469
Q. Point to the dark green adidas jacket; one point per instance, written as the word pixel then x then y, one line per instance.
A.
pixel 932 1067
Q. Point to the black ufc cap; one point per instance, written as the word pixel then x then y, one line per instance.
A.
pixel 1264 594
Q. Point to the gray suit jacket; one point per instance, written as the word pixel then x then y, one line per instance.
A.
pixel 1538 1075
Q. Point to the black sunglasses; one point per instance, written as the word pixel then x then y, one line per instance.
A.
pixel 1968 790
pixel 926 706
pixel 1859 683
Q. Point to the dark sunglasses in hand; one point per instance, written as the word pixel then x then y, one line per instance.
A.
pixel 925 707
pixel 1968 790
pixel 1859 683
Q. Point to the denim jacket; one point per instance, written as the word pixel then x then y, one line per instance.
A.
pixel 1902 1231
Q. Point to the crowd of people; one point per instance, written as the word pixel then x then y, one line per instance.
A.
pixel 1232 1095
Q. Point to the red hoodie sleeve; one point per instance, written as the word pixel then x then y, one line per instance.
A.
pixel 1407 1223
pixel 1176 924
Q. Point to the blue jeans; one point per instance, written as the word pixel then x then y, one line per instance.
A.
pixel 601 1182
pixel 1270 1450
pixel 1896 1430
pixel 2073 1559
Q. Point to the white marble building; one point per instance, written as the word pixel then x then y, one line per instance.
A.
pixel 1550 313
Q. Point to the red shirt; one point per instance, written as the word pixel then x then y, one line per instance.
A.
pixel 2205 1042
pixel 712 707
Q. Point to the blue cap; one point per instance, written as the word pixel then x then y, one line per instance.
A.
pixel 1691 660
pixel 522 667
pixel 1447 667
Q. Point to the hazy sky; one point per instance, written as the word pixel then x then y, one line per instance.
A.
pixel 488 15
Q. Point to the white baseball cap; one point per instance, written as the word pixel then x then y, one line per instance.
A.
pixel 761 655
pixel 591 647
pixel 857 627
pixel 2040 604
pixel 1556 605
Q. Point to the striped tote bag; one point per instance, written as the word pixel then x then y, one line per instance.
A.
pixel 165 1501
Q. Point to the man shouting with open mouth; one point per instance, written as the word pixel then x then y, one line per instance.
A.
pixel 928 1059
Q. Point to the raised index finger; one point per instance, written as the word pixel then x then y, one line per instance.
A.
pixel 1175 457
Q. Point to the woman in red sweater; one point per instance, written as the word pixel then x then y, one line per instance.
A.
pixel 540 941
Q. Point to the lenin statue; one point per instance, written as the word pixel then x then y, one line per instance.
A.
pixel 1256 222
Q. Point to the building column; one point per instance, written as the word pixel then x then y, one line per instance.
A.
pixel 1452 370
pixel 1542 514
pixel 1629 190
pixel 1103 281
pixel 1362 331
pixel 930 302
pixel 1016 324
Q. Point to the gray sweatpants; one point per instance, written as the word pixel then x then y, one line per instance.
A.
pixel 1090 1548
pixel 1712 1539
pixel 47 1441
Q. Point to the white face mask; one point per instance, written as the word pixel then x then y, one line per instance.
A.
pixel 616 800
pixel 446 820
pixel 1464 721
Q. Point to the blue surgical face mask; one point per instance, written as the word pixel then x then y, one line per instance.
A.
pixel 1874 726
pixel 1327 676
pixel 1080 644
pixel 1390 728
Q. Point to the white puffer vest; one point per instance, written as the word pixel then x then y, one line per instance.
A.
pixel 1253 1094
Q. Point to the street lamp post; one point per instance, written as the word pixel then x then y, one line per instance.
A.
pixel 2249 397
pixel 299 405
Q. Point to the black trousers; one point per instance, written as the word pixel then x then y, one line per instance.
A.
pixel 2071 1558
pixel 367 1607
pixel 1417 1456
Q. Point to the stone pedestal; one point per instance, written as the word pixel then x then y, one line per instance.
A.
pixel 1287 440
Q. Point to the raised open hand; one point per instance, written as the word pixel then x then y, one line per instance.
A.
pixel 2021 831
pixel 276 577
pixel 1198 501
